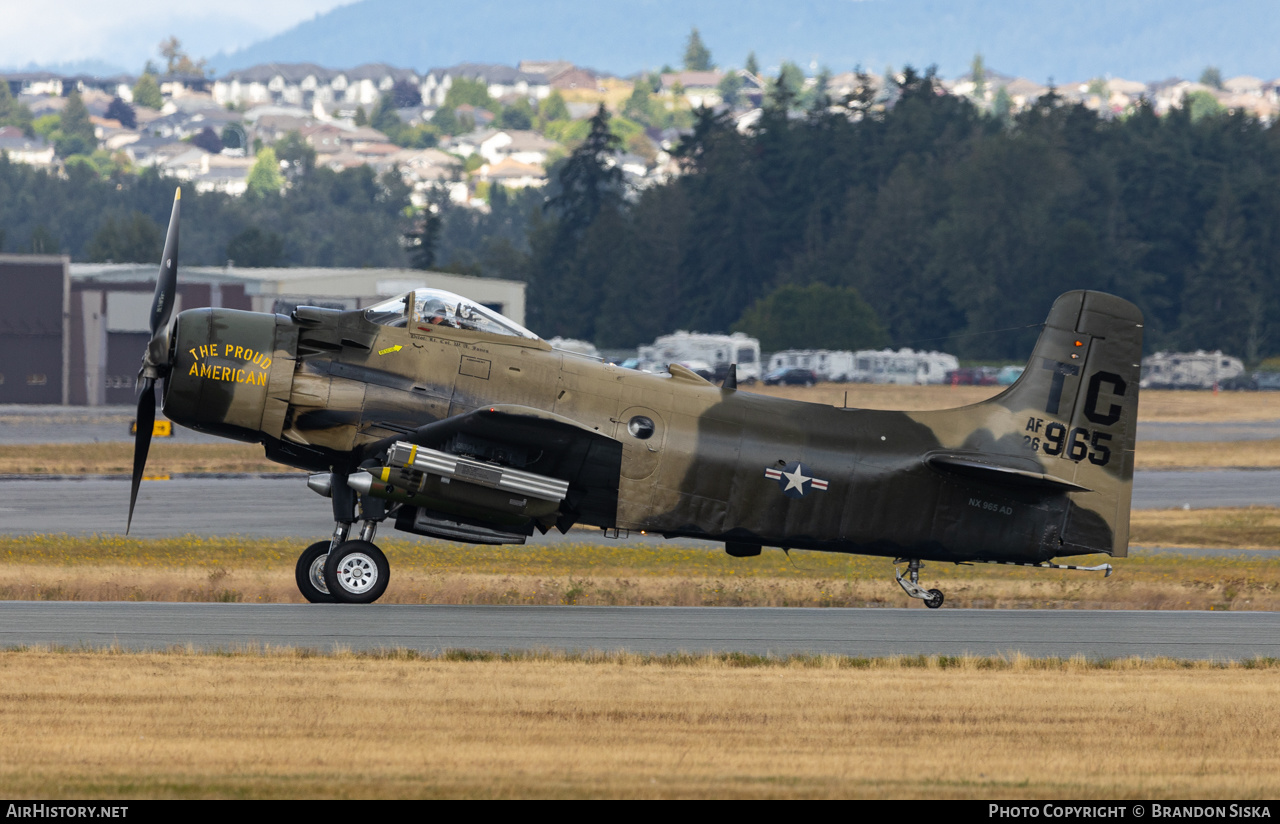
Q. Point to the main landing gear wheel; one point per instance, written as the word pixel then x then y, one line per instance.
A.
pixel 934 600
pixel 357 573
pixel 309 573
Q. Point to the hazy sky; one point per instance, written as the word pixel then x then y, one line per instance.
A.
pixel 126 32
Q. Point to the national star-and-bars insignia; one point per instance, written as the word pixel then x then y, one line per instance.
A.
pixel 795 479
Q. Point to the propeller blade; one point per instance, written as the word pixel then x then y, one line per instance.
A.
pixel 142 441
pixel 167 282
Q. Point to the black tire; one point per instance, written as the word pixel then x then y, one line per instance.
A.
pixel 357 573
pixel 311 562
pixel 934 600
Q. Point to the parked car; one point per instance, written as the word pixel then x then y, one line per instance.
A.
pixel 792 376
pixel 1267 381
pixel 1009 375
pixel 972 376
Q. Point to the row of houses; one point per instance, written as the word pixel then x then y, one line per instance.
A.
pixel 306 84
pixel 1113 95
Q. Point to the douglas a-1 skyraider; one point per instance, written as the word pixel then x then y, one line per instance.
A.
pixel 452 421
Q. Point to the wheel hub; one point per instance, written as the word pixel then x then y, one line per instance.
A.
pixel 316 574
pixel 357 573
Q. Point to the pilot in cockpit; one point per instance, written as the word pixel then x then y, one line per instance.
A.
pixel 436 313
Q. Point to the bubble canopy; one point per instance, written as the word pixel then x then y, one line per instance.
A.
pixel 432 309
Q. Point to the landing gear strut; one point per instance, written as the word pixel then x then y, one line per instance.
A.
pixel 341 570
pixel 911 584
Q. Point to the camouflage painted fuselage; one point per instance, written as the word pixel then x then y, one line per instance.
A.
pixel 1042 470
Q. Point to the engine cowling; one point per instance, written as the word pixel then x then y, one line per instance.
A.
pixel 231 373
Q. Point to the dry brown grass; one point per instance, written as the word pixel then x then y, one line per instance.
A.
pixel 1254 527
pixel 1207 454
pixel 166 458
pixel 284 725
pixel 59 568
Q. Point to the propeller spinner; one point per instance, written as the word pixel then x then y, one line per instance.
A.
pixel 155 361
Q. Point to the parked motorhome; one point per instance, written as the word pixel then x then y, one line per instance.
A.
pixel 577 347
pixel 827 365
pixel 718 350
pixel 1188 370
pixel 905 366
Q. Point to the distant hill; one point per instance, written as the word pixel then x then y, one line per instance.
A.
pixel 1136 39
pixel 93 68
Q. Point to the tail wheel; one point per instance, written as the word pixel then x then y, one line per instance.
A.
pixel 309 574
pixel 357 573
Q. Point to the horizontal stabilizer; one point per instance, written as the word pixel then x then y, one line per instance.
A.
pixel 984 468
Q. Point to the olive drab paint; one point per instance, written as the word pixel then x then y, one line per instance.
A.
pixel 1042 470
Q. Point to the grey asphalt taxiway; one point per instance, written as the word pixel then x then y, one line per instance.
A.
pixel 1095 634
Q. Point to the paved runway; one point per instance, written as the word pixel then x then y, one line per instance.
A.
pixel 275 506
pixel 763 631
pixel 79 424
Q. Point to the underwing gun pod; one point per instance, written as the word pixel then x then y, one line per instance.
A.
pixel 451 421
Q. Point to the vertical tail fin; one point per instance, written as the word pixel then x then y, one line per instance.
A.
pixel 1079 399
pixel 1067 427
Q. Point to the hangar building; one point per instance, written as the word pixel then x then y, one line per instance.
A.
pixel 74 333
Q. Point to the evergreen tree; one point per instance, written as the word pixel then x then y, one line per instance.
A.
pixel 570 254
pixel 978 74
pixel 812 317
pixel 466 91
pixel 136 239
pixel 422 239
pixel 697 57
pixel 255 248
pixel 406 94
pixel 752 65
pixel 123 112
pixel 43 242
pixel 1225 301
pixel 730 89
pixel 294 150
pixel 519 115
pixel 75 133
pixel 784 91
pixel 208 140
pixel 590 179
pixel 146 92
pixel 385 118
pixel 1211 77
pixel 12 112
pixel 639 106
pixel 553 108
pixel 264 177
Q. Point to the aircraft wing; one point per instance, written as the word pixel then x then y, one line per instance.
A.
pixel 536 441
